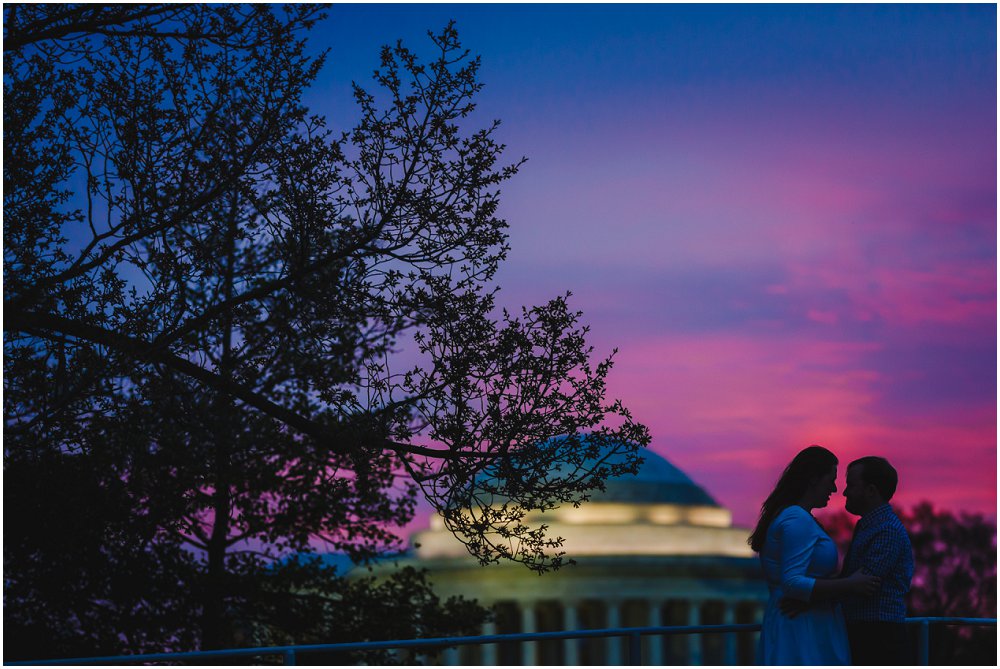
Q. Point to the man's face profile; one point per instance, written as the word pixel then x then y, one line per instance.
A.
pixel 855 493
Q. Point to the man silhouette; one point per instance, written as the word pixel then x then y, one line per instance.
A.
pixel 880 546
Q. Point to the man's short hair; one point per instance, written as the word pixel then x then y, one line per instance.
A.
pixel 879 473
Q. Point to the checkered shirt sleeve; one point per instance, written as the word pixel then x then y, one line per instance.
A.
pixel 881 547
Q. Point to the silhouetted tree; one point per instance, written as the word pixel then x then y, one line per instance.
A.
pixel 258 333
pixel 89 571
pixel 86 569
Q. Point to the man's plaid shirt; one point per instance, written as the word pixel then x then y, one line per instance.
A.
pixel 881 547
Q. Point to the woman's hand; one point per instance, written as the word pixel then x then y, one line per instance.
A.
pixel 860 583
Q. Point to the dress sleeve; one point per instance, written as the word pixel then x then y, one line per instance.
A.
pixel 797 540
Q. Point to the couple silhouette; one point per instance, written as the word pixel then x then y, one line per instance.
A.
pixel 815 615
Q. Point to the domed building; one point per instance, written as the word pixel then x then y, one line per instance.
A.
pixel 652 549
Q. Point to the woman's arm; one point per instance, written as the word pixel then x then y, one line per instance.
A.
pixel 858 583
pixel 796 533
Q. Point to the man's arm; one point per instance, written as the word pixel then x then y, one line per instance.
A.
pixel 792 607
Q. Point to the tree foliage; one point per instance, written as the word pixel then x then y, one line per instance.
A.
pixel 89 573
pixel 259 333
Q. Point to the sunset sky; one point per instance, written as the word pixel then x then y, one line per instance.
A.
pixel 783 216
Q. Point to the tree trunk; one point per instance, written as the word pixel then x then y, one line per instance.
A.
pixel 216 628
pixel 214 625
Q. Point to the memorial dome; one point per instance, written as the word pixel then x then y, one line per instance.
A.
pixel 653 548
pixel 657 482
pixel 659 511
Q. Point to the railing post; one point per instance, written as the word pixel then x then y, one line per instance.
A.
pixel 634 650
pixel 289 658
pixel 924 643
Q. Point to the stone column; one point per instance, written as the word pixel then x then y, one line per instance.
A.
pixel 571 622
pixel 615 645
pixel 529 649
pixel 758 617
pixel 655 640
pixel 694 640
pixel 488 651
pixel 451 658
pixel 729 618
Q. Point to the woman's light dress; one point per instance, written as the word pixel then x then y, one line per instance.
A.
pixel 796 552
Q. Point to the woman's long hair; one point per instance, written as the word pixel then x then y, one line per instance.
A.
pixel 810 464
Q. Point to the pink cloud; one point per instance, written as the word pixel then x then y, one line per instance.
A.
pixel 950 292
pixel 705 379
pixel 732 410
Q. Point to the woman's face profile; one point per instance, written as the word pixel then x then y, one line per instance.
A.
pixel 822 488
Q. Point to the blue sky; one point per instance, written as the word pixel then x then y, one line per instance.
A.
pixel 783 216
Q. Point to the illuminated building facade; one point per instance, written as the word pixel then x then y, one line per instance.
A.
pixel 653 549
